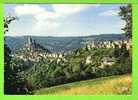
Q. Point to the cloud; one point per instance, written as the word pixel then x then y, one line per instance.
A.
pixel 63 10
pixel 28 9
pixel 71 8
pixel 43 19
pixel 109 13
pixel 46 15
pixel 43 27
pixel 50 20
pixel 58 9
pixel 46 21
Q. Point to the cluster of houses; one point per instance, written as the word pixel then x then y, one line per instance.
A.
pixel 110 44
pixel 33 51
pixel 107 61
pixel 37 54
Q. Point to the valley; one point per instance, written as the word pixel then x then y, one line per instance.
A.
pixel 40 68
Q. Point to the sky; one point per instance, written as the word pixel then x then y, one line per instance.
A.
pixel 64 19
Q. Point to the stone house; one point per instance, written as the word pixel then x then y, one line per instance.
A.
pixel 107 61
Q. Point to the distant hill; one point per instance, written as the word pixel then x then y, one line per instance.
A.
pixel 61 44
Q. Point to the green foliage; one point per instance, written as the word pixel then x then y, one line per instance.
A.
pixel 47 74
pixel 126 15
pixel 13 83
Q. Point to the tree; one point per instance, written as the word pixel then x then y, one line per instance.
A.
pixel 8 73
pixel 7 21
pixel 13 83
pixel 126 15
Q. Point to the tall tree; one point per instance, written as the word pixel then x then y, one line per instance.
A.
pixel 13 83
pixel 8 72
pixel 126 15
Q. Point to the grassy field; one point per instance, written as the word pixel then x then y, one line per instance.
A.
pixel 101 86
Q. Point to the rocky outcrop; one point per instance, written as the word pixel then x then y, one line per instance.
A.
pixel 110 44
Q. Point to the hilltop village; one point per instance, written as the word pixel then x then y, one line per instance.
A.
pixel 33 51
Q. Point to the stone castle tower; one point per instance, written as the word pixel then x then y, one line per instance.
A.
pixel 33 46
pixel 29 40
pixel 29 43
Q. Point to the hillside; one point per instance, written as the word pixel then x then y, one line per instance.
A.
pixel 81 64
pixel 60 44
pixel 40 69
pixel 100 86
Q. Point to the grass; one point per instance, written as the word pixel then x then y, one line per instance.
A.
pixel 112 85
